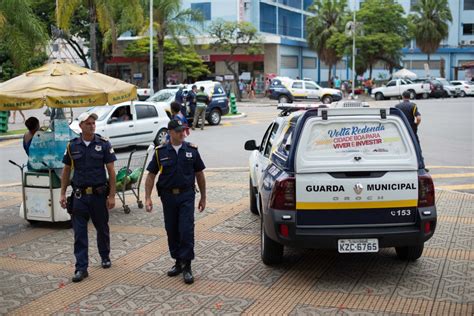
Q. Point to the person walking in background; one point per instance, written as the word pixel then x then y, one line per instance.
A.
pixel 337 83
pixel 253 85
pixel 227 88
pixel 242 87
pixel 202 100
pixel 176 114
pixel 14 117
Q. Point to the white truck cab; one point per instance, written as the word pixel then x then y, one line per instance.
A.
pixel 351 179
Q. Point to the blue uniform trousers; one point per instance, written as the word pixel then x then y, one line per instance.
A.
pixel 179 223
pixel 93 207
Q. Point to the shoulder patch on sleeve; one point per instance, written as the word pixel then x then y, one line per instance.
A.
pixel 192 145
pixel 105 139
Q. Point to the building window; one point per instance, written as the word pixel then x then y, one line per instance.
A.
pixel 204 7
pixel 291 3
pixel 309 63
pixel 289 62
pixel 307 4
pixel 268 18
pixel 413 3
pixel 468 4
pixel 468 29
pixel 289 23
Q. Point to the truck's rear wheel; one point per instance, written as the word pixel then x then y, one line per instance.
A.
pixel 271 251
pixel 410 253
pixel 253 198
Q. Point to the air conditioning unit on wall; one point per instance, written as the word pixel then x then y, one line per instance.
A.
pixel 471 42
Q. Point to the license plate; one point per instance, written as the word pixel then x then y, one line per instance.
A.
pixel 358 245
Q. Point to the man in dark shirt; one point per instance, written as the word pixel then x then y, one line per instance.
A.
pixel 179 165
pixel 89 156
pixel 411 112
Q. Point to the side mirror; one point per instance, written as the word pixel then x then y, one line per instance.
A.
pixel 112 120
pixel 250 145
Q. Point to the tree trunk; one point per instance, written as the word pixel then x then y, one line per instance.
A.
pixel 370 71
pixel 161 67
pixel 429 61
pixel 329 76
pixel 92 34
pixel 236 79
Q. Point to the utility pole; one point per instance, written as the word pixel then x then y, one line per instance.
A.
pixel 151 47
pixel 353 49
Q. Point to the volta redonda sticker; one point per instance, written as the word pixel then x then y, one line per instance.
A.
pixel 373 137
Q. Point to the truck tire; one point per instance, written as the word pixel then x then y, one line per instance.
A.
pixel 283 99
pixel 379 96
pixel 410 253
pixel 412 94
pixel 271 251
pixel 463 94
pixel 327 99
pixel 425 95
pixel 214 117
pixel 253 198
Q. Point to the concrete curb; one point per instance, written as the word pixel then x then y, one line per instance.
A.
pixel 233 117
pixel 8 137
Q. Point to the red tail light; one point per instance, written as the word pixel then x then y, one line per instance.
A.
pixel 427 227
pixel 284 230
pixel 426 191
pixel 284 194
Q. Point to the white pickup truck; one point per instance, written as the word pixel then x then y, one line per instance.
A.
pixel 395 88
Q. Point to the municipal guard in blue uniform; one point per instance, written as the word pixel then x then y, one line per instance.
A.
pixel 411 112
pixel 179 165
pixel 92 197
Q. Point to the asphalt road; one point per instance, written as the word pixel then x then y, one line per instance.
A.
pixel 446 135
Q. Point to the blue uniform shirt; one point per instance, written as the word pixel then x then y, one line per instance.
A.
pixel 177 171
pixel 89 161
pixel 411 111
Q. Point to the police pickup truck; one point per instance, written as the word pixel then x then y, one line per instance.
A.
pixel 350 179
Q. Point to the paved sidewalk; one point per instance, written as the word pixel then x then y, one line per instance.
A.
pixel 36 265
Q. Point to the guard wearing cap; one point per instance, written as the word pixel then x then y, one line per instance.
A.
pixel 179 165
pixel 92 197
pixel 411 112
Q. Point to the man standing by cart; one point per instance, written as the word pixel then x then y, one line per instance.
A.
pixel 92 196
pixel 178 164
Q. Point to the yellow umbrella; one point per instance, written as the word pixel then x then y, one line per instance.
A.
pixel 63 85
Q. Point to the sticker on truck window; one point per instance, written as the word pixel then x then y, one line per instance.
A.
pixel 360 137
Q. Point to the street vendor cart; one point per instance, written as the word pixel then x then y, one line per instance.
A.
pixel 57 85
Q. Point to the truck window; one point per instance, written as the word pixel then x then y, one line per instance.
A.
pixel 271 139
pixel 392 84
pixel 297 85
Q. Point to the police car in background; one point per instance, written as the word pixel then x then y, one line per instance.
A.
pixel 346 178
pixel 287 90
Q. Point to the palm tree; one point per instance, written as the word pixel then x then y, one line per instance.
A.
pixel 21 32
pixel 172 21
pixel 327 21
pixel 104 15
pixel 430 24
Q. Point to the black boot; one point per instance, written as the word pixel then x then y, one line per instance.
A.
pixel 187 273
pixel 176 269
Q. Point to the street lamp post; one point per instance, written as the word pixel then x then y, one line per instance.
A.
pixel 151 47
pixel 353 49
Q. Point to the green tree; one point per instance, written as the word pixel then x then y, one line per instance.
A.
pixel 232 36
pixel 183 59
pixel 22 35
pixel 430 20
pixel 381 34
pixel 328 20
pixel 110 17
pixel 171 21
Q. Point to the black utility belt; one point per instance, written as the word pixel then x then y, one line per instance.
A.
pixel 97 190
pixel 176 191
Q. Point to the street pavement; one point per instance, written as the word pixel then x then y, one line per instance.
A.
pixel 36 264
pixel 446 135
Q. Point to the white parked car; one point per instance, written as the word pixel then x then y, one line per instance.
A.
pixel 143 93
pixel 466 87
pixel 130 123
pixel 396 87
pixel 450 90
